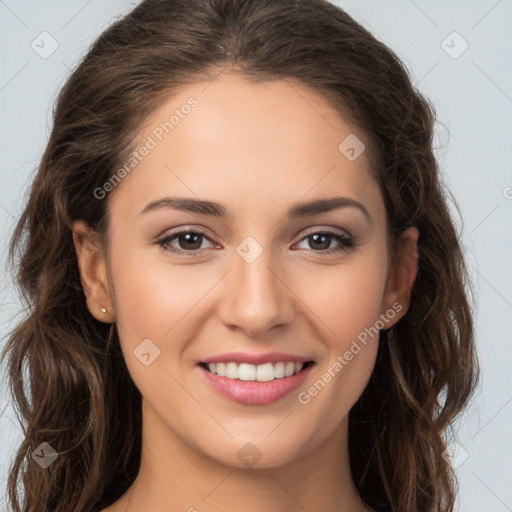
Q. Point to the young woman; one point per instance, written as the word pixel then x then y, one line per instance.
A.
pixel 245 290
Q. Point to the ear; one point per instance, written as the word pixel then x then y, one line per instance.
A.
pixel 401 276
pixel 93 272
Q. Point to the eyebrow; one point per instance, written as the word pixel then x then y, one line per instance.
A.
pixel 212 208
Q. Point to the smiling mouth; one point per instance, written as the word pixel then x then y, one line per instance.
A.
pixel 256 373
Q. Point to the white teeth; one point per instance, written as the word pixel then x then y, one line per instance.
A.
pixel 221 369
pixel 246 371
pixel 279 370
pixel 289 369
pixel 231 370
pixel 260 373
pixel 264 372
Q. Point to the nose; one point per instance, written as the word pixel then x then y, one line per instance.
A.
pixel 256 296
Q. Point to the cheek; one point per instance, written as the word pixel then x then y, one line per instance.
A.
pixel 347 305
pixel 161 302
pixel 352 344
pixel 346 299
pixel 152 297
pixel 154 302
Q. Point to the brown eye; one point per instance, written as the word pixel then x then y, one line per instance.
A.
pixel 188 241
pixel 320 241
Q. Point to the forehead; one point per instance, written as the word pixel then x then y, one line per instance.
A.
pixel 260 144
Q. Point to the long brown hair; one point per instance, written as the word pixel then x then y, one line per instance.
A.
pixel 77 394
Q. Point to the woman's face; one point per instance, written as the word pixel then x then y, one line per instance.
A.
pixel 255 281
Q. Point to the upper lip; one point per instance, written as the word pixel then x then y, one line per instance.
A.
pixel 247 357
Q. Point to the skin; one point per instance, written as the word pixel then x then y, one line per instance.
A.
pixel 257 149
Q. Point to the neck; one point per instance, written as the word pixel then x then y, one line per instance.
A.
pixel 175 476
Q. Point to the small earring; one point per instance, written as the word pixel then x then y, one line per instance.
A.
pixel 103 310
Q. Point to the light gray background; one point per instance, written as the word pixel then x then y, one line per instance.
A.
pixel 473 97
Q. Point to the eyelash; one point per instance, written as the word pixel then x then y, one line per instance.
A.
pixel 346 243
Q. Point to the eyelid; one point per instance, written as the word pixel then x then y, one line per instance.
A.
pixel 184 228
pixel 316 229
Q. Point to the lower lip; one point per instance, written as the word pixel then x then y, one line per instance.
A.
pixel 253 392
